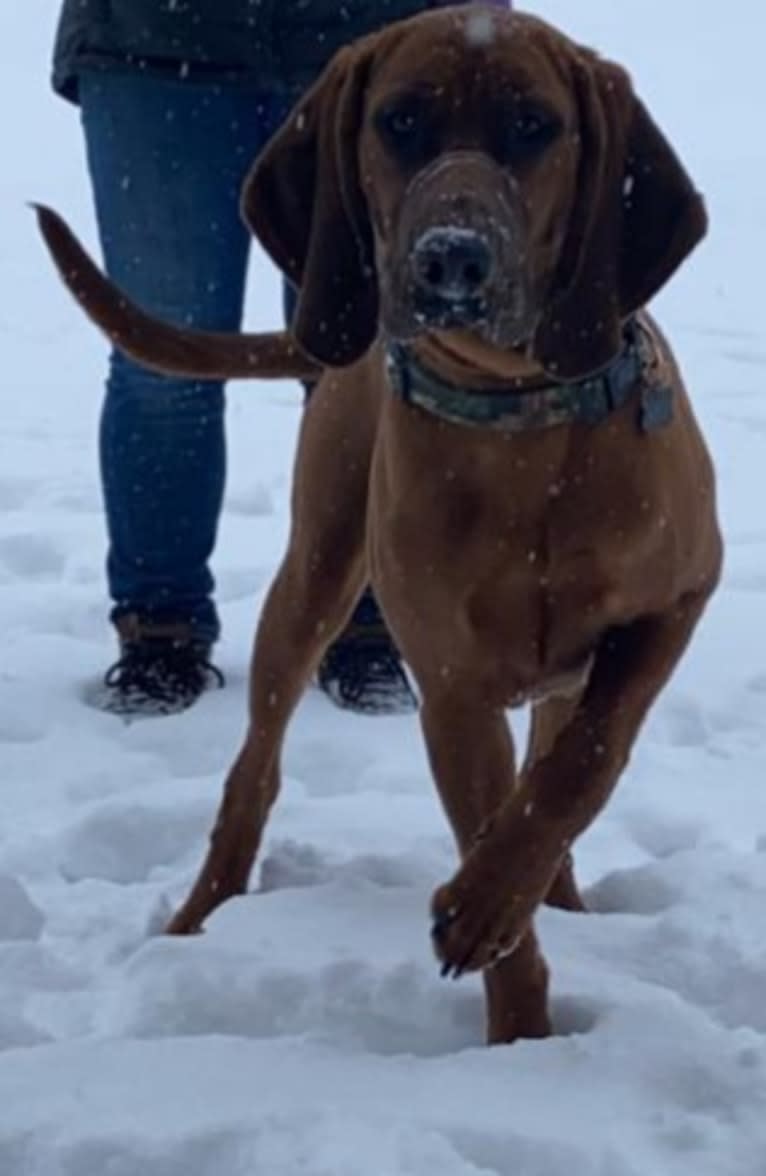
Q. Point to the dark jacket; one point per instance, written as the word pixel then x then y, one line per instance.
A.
pixel 271 44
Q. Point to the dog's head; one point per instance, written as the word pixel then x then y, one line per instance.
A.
pixel 476 169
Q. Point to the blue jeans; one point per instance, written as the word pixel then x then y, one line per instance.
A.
pixel 167 159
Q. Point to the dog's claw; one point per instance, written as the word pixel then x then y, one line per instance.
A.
pixel 456 958
pixel 442 922
pixel 439 931
pixel 450 969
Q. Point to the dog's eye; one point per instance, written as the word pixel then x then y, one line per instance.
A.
pixel 402 123
pixel 526 133
pixel 528 126
pixel 406 130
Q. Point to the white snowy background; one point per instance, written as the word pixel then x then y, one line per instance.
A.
pixel 307 1033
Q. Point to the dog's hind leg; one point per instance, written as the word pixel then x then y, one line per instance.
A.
pixel 310 600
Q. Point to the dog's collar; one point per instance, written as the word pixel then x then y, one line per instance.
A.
pixel 540 406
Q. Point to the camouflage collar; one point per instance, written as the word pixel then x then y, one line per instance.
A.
pixel 539 406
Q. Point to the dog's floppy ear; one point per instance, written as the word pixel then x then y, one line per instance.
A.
pixel 636 216
pixel 304 202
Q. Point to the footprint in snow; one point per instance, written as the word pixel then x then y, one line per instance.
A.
pixel 125 843
pixel 29 556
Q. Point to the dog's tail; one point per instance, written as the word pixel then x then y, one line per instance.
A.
pixel 174 351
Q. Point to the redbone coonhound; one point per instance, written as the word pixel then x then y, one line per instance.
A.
pixel 476 211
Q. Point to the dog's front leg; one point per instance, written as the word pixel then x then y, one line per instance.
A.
pixel 314 592
pixel 483 914
pixel 292 635
pixel 472 758
pixel 549 717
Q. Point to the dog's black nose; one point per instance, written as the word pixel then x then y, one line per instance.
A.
pixel 452 264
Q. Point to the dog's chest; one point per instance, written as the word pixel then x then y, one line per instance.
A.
pixel 515 559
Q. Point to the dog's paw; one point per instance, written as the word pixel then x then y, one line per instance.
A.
pixel 474 928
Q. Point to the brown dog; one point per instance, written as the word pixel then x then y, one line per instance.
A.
pixel 476 211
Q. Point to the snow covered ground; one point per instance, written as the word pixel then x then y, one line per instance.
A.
pixel 308 1032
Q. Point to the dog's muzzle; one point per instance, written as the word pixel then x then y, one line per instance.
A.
pixel 455 256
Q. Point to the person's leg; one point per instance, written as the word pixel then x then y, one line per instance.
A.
pixel 167 160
